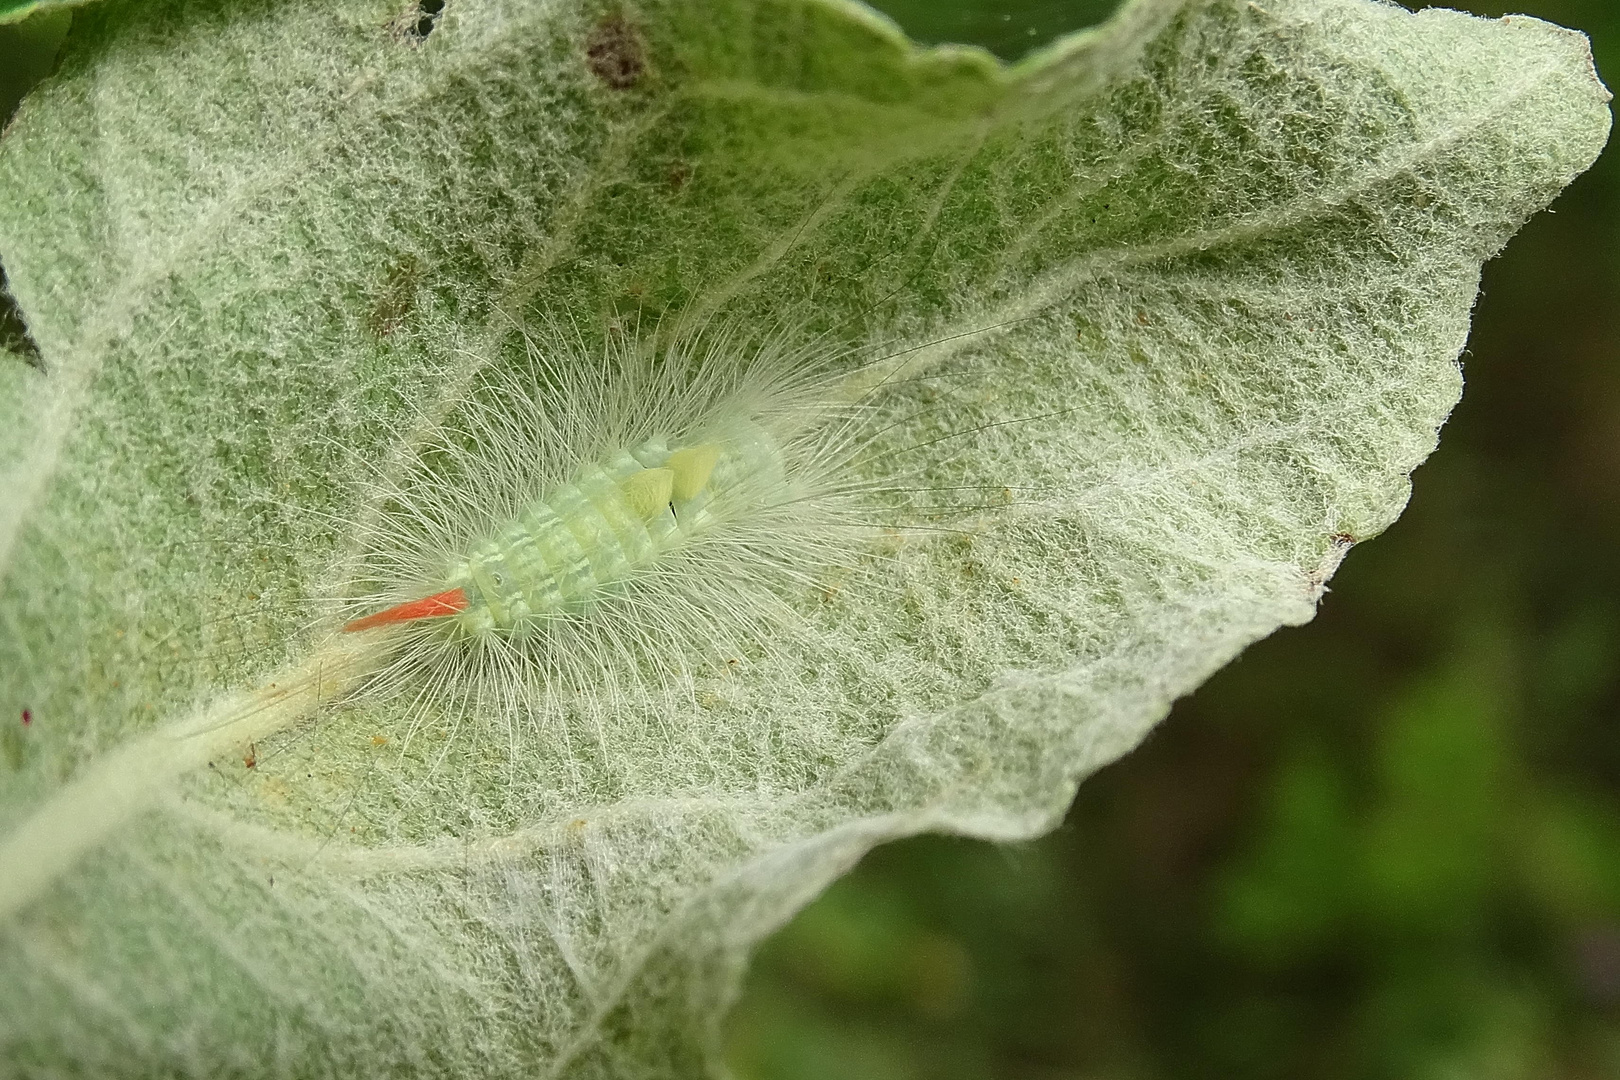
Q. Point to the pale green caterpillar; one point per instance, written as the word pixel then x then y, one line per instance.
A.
pixel 612 519
pixel 584 539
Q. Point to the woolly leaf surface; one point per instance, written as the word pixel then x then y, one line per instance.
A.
pixel 1199 281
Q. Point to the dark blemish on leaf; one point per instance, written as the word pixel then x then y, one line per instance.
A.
pixel 679 173
pixel 251 758
pixel 398 297
pixel 14 335
pixel 428 17
pixel 27 717
pixel 615 52
pixel 418 21
pixel 1316 579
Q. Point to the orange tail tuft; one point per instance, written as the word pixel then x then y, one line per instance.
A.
pixel 429 607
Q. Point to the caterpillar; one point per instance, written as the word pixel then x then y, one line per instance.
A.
pixel 589 537
pixel 637 511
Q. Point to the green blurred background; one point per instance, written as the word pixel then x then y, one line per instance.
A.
pixel 1383 845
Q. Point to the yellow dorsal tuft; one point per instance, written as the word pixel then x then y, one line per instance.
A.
pixel 691 468
pixel 648 491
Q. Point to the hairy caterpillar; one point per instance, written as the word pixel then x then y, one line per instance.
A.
pixel 636 511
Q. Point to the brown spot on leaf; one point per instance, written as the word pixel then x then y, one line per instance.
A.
pixel 417 21
pixel 615 52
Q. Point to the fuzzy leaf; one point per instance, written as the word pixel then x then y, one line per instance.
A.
pixel 1199 280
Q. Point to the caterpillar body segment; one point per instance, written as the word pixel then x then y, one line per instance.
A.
pixel 689 469
pixel 649 491
pixel 584 539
